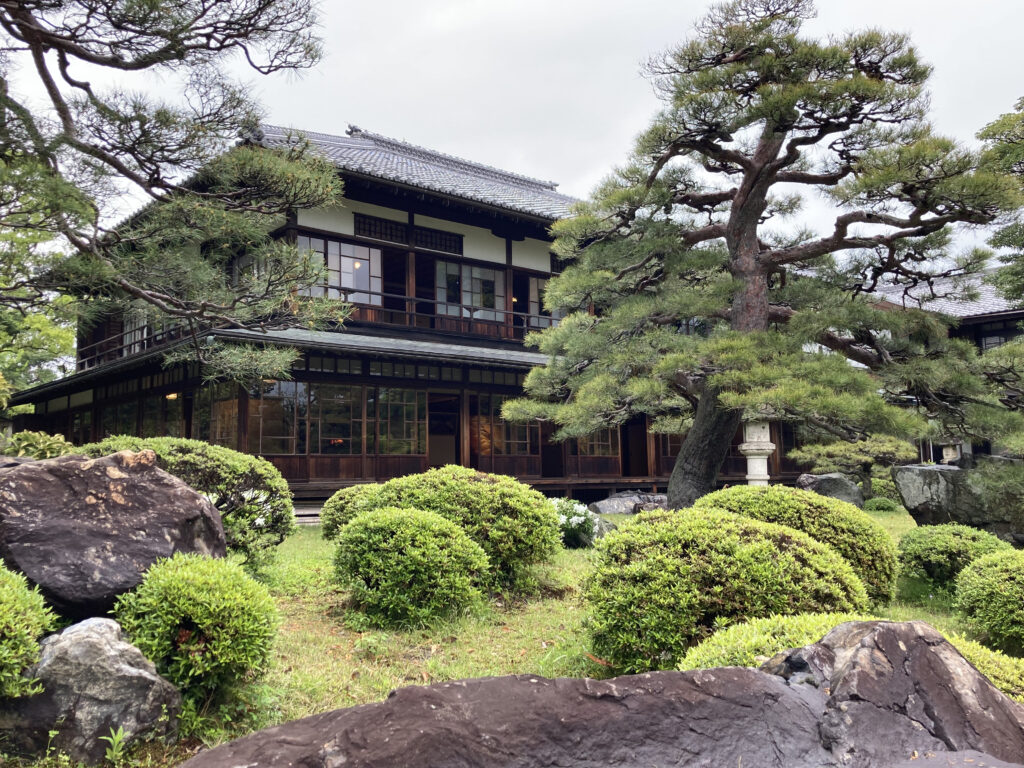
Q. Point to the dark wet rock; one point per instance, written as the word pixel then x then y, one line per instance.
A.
pixel 629 503
pixel 900 688
pixel 869 694
pixel 93 682
pixel 834 484
pixel 86 530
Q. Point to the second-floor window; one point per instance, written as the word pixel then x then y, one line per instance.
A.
pixel 351 272
pixel 466 290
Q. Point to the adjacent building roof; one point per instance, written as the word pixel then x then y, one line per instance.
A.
pixel 988 300
pixel 381 157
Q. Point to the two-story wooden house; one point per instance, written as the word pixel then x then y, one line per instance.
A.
pixel 445 262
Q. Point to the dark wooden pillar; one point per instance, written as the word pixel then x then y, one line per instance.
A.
pixel 464 458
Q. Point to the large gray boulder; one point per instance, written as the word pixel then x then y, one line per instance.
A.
pixel 86 530
pixel 629 503
pixel 870 694
pixel 937 493
pixel 93 682
pixel 834 484
pixel 900 689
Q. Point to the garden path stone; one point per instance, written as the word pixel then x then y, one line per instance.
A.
pixel 86 530
pixel 869 694
pixel 93 682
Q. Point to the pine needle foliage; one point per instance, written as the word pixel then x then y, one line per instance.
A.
pixel 696 295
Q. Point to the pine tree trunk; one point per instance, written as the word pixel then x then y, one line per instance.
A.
pixel 704 449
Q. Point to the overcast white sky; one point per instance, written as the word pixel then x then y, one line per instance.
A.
pixel 551 88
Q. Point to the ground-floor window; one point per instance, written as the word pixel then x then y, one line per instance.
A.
pixel 401 419
pixel 604 442
pixel 335 419
pixel 489 435
pixel 294 417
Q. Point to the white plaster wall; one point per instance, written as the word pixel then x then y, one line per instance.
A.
pixel 340 219
pixel 478 243
pixel 532 254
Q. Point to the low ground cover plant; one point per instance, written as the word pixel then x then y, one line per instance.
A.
pixel 35 445
pixel 881 504
pixel 204 622
pixel 990 597
pixel 669 579
pixel 863 542
pixel 24 619
pixel 406 567
pixel 937 554
pixel 515 525
pixel 577 523
pixel 252 496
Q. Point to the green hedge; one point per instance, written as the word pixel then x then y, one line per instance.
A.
pixel 204 622
pixel 253 498
pixel 24 619
pixel 515 525
pixel 865 544
pixel 990 597
pixel 405 567
pixel 666 580
pixel 937 553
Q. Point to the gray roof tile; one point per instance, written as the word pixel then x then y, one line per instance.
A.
pixel 381 157
pixel 988 300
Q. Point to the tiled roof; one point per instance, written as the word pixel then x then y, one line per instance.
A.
pixel 988 302
pixel 378 156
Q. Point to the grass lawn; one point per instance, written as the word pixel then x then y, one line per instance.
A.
pixel 323 659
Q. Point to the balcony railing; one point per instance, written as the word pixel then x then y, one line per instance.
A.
pixel 443 316
pixel 369 308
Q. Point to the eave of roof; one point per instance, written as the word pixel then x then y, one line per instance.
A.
pixel 385 346
pixel 331 341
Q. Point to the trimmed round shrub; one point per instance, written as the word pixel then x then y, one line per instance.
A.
pixel 515 525
pixel 406 567
pixel 24 618
pixel 204 622
pixel 865 544
pixel 881 504
pixel 667 580
pixel 251 495
pixel 937 553
pixel 990 597
pixel 344 505
pixel 741 645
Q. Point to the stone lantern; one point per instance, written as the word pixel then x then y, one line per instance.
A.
pixel 757 447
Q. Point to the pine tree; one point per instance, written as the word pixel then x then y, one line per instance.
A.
pixel 104 101
pixel 693 297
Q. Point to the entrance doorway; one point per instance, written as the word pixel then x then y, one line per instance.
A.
pixel 552 455
pixel 442 429
pixel 634 447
